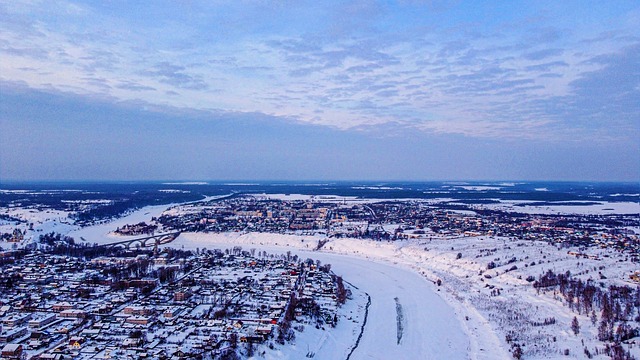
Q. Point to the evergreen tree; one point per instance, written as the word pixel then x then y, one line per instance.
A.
pixel 575 326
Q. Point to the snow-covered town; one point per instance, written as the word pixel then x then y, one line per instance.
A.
pixel 338 217
pixel 176 304
pixel 324 180
pixel 294 276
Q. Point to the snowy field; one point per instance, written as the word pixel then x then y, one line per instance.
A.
pixel 587 208
pixel 34 223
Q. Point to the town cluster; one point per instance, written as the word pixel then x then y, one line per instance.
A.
pixel 75 302
pixel 397 219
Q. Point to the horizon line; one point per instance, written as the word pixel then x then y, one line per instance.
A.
pixel 301 181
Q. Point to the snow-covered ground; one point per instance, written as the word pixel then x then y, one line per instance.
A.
pixel 601 208
pixel 463 318
pixel 466 319
pixel 431 328
pixel 103 233
pixel 35 223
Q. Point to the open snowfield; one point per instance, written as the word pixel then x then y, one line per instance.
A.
pixel 36 222
pixel 576 208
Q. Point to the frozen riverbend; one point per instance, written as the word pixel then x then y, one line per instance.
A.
pixel 418 325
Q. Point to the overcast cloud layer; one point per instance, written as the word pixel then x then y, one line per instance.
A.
pixel 560 76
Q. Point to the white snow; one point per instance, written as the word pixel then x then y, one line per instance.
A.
pixel 463 320
pixel 103 233
pixel 479 188
pixel 434 327
pixel 459 320
pixel 602 207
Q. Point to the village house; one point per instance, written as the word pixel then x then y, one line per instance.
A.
pixel 42 321
pixel 138 320
pixel 73 314
pixel 12 351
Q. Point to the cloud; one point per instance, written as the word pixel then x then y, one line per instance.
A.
pixel 547 66
pixel 434 67
pixel 543 54
pixel 130 85
pixel 609 96
pixel 176 75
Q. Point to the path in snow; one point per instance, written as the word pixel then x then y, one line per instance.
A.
pixel 364 325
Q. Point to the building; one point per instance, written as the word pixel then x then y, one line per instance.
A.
pixel 73 314
pixel 76 342
pixel 16 320
pixel 172 312
pixel 12 351
pixel 61 306
pixel 13 334
pixel 181 296
pixel 138 310
pixel 42 321
pixel 138 320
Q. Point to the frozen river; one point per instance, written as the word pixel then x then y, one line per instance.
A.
pixel 429 326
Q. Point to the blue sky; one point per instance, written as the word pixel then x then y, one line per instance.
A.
pixel 406 90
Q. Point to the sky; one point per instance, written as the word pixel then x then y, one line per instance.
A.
pixel 320 90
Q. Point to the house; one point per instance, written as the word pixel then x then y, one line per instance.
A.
pixel 73 314
pixel 137 320
pixel 131 342
pixel 264 329
pixel 172 312
pixel 12 351
pixel 179 355
pixel 76 342
pixel 251 339
pixel 138 310
pixel 12 334
pixel 61 306
pixel 16 320
pixel 50 357
pixel 181 296
pixel 42 321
